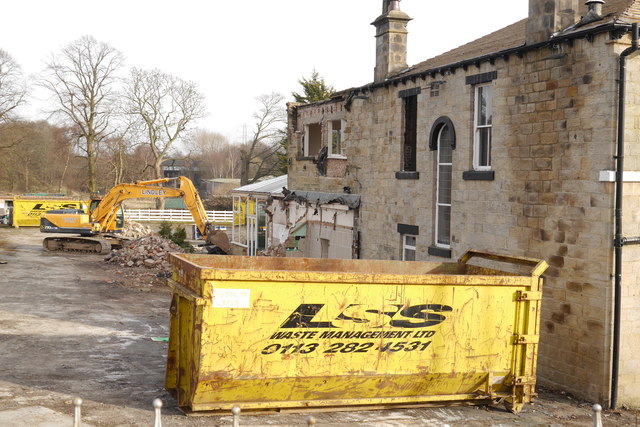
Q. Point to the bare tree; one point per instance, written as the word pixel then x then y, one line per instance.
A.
pixel 12 86
pixel 117 148
pixel 259 155
pixel 166 107
pixel 82 78
pixel 215 153
pixel 231 156
pixel 36 159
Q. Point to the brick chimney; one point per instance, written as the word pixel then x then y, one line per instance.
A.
pixel 550 16
pixel 391 40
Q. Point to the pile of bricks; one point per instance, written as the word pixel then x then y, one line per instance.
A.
pixel 273 251
pixel 150 251
pixel 135 230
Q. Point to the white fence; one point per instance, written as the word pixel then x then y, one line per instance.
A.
pixel 175 215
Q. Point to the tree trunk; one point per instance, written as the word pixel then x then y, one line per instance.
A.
pixel 92 164
pixel 119 164
pixel 244 171
pixel 157 169
pixel 64 172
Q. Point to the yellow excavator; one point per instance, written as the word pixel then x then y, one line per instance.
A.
pixel 99 229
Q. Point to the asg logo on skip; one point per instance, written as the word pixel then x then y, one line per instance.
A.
pixel 394 315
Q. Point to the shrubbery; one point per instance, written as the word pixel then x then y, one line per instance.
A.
pixel 179 236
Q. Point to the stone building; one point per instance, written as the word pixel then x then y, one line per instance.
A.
pixel 512 143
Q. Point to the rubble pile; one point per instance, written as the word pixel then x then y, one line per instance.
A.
pixel 150 251
pixel 135 230
pixel 272 251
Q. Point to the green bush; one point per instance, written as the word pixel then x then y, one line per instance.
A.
pixel 179 236
pixel 165 230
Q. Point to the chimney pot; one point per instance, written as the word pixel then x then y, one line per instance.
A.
pixel 595 6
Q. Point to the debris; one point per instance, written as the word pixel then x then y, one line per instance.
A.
pixel 160 339
pixel 135 230
pixel 150 251
pixel 273 251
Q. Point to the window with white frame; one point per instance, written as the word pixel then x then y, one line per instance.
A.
pixel 483 117
pixel 312 139
pixel 336 137
pixel 445 141
pixel 408 247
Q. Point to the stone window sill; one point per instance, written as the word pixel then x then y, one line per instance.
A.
pixel 441 252
pixel 479 175
pixel 407 175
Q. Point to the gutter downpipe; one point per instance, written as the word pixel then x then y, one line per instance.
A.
pixel 620 241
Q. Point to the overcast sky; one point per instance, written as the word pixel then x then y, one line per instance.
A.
pixel 236 50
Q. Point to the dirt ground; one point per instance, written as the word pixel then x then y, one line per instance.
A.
pixel 74 326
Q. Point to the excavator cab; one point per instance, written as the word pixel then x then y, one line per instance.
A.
pixel 118 225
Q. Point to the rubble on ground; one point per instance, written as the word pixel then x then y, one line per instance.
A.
pixel 273 251
pixel 150 251
pixel 135 230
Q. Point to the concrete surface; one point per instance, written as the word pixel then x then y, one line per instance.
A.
pixel 74 326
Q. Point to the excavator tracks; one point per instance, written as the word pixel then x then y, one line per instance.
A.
pixel 76 244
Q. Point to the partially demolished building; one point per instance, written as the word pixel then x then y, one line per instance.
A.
pixel 512 143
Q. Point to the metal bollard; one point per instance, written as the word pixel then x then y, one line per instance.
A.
pixel 77 404
pixel 236 416
pixel 157 404
pixel 597 415
pixel 311 421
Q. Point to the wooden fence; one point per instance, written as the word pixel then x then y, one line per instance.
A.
pixel 175 215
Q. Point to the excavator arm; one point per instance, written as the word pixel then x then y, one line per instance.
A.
pixel 103 217
pixel 194 204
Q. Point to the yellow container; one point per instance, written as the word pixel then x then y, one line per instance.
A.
pixel 27 212
pixel 276 333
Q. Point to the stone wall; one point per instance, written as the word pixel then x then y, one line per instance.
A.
pixel 554 130
pixel 630 319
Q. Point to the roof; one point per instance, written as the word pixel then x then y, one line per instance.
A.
pixel 503 42
pixel 513 37
pixel 224 180
pixel 184 163
pixel 506 38
pixel 269 187
pixel 320 198
pixel 623 9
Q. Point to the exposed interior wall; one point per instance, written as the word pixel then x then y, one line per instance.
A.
pixel 306 230
pixel 313 142
pixel 311 128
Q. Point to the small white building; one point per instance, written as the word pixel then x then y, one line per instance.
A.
pixel 249 231
pixel 268 216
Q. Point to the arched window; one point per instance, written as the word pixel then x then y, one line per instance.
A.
pixel 435 131
pixel 443 141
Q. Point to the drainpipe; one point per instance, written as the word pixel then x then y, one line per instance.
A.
pixel 620 241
